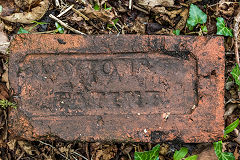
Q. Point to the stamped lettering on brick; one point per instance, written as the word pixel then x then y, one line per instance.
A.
pixel 89 90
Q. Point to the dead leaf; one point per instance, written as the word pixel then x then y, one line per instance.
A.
pixel 28 148
pixel 3 91
pixel 28 17
pixel 8 7
pixel 182 23
pixel 152 3
pixel 103 15
pixel 25 4
pixel 11 144
pixel 4 42
pixel 139 25
pixel 5 75
pixel 163 10
pixel 207 153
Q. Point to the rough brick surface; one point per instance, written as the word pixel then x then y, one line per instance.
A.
pixel 121 88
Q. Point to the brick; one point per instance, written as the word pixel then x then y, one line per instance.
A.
pixel 117 88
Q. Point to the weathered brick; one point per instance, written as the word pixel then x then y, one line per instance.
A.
pixel 121 88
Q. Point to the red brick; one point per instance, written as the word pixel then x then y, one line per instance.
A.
pixel 118 88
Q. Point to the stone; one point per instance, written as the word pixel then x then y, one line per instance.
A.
pixel 147 88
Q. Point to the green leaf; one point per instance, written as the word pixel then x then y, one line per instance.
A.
pixel 231 127
pixel 176 32
pixel 218 148
pixel 59 27
pixel 178 155
pixel 222 155
pixel 222 29
pixel 39 23
pixel 204 29
pixel 96 7
pixel 196 16
pixel 236 73
pixel 5 104
pixel 22 30
pixel 114 22
pixel 194 157
pixel 148 155
pixel 226 156
pixel 1 8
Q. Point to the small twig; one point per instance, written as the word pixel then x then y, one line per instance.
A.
pixel 222 3
pixel 130 4
pixel 20 156
pixel 236 32
pixel 65 11
pixel 140 9
pixel 80 155
pixel 57 3
pixel 53 148
pixel 65 25
pixel 80 14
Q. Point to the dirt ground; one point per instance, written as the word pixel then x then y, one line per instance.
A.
pixel 162 17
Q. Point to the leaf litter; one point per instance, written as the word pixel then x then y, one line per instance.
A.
pixel 115 17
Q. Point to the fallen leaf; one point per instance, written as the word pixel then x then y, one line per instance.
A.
pixel 25 4
pixel 28 17
pixel 4 42
pixel 182 23
pixel 8 7
pixel 103 15
pixel 152 3
pixel 28 148
pixel 5 75
pixel 3 91
pixel 11 144
pixel 207 153
pixel 162 10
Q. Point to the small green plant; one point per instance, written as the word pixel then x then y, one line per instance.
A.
pixel 218 145
pixel 176 32
pixel 22 30
pixel 230 128
pixel 5 104
pixel 107 8
pixel 220 154
pixel 196 16
pixel 59 29
pixel 148 155
pixel 222 29
pixel 96 7
pixel 204 29
pixel 236 73
pixel 179 155
pixel 114 22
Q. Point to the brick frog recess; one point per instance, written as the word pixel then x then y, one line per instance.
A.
pixel 117 88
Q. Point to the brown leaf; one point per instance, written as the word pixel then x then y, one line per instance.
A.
pixel 11 144
pixel 8 7
pixel 152 3
pixel 4 42
pixel 103 15
pixel 25 4
pixel 207 153
pixel 28 148
pixel 27 17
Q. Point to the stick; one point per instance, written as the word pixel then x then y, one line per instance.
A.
pixel 80 14
pixel 140 9
pixel 130 4
pixel 57 3
pixel 65 11
pixel 65 25
pixel 236 32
